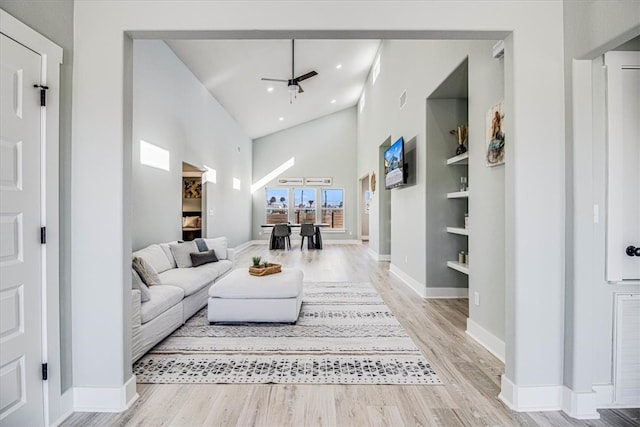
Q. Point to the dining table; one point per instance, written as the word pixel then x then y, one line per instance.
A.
pixel 314 242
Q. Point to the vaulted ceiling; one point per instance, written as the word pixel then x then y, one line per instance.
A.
pixel 232 70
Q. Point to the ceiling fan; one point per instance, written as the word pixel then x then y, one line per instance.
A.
pixel 293 84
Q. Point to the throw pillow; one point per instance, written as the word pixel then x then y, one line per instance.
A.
pixel 181 252
pixel 155 256
pixel 147 273
pixel 190 221
pixel 137 283
pixel 201 244
pixel 167 251
pixel 220 246
pixel 201 258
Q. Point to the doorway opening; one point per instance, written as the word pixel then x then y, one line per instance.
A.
pixel 192 202
pixel 365 204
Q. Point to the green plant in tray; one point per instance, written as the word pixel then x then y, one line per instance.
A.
pixel 256 261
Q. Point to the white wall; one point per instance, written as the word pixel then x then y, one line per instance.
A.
pixel 325 147
pixel 534 202
pixel 173 110
pixel 411 208
pixel 591 29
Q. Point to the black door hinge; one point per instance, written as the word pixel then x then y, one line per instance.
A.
pixel 45 371
pixel 43 235
pixel 43 94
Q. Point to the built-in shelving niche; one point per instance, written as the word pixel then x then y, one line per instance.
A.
pixel 192 196
pixel 446 202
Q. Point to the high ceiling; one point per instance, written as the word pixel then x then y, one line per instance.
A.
pixel 232 70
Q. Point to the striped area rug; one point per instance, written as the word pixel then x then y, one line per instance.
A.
pixel 345 335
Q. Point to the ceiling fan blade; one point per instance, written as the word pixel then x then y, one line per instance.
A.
pixel 306 76
pixel 300 90
pixel 274 80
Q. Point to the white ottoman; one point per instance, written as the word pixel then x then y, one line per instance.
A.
pixel 241 297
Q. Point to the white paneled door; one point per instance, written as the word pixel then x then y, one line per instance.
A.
pixel 21 352
pixel 623 151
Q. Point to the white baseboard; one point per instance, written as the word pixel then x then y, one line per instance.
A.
pixel 486 339
pixel 581 406
pixel 324 242
pixel 412 283
pixel 66 401
pixel 447 293
pixel 105 399
pixel 376 256
pixel 530 398
pixel 243 247
pixel 341 242
pixel 604 398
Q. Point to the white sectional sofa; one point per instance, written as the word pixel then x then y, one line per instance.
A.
pixel 161 308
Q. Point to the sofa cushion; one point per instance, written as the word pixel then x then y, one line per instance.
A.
pixel 147 273
pixel 217 269
pixel 182 253
pixel 203 258
pixel 155 256
pixel 137 283
pixel 219 244
pixel 191 280
pixel 167 251
pixel 163 297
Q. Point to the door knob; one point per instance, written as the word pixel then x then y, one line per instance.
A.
pixel 633 251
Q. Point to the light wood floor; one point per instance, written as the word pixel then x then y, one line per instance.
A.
pixel 471 375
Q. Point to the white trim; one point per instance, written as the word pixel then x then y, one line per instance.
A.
pixel 51 54
pixel 243 247
pixel 412 283
pixel 32 39
pixel 604 397
pixel 67 404
pixel 486 339
pixel 530 398
pixel 447 293
pixel 340 241
pixel 376 256
pixel 105 399
pixel 581 406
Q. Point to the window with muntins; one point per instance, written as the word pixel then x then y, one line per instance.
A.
pixel 277 207
pixel 333 208
pixel 304 205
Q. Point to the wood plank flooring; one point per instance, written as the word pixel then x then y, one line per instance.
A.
pixel 471 374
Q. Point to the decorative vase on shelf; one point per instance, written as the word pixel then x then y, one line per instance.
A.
pixel 462 133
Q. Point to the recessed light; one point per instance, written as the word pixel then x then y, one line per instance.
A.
pixel 338 66
pixel 333 101
pixel 281 118
pixel 270 89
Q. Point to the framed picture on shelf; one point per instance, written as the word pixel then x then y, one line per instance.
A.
pixel 191 188
pixel 495 135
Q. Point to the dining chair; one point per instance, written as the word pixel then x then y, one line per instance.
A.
pixel 283 231
pixel 306 230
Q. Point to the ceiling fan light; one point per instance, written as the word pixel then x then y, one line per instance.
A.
pixel 293 88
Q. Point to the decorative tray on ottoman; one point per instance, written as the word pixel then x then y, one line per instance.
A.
pixel 263 271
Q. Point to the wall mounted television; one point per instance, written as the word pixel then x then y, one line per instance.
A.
pixel 395 169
